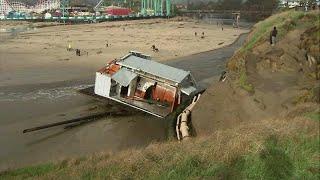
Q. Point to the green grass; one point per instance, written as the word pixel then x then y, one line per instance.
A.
pixel 284 22
pixel 279 159
pixel 313 115
pixel 33 171
pixel 244 84
pixel 283 159
pixel 262 155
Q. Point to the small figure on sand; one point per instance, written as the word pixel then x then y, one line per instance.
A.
pixel 236 20
pixel 273 36
pixel 107 44
pixel 153 47
pixel 78 52
pixel 222 25
pixel 202 37
pixel 69 48
pixel 195 33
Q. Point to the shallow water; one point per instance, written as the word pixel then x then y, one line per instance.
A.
pixel 50 94
pixel 9 33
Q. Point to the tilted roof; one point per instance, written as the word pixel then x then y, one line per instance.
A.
pixel 154 68
pixel 124 77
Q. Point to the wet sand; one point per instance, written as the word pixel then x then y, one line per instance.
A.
pixel 43 90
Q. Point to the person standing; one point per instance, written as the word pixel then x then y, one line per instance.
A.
pixel 274 34
pixel 69 47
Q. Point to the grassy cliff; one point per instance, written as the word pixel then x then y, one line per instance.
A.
pixel 286 149
pixel 285 22
pixel 282 146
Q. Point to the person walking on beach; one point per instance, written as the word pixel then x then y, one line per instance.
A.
pixel 274 34
pixel 222 25
pixel 69 47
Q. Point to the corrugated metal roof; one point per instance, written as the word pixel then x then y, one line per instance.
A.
pixel 124 77
pixel 188 90
pixel 154 68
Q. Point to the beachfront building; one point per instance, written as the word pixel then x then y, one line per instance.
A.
pixel 288 3
pixel 137 81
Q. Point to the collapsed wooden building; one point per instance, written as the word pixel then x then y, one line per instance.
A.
pixel 137 81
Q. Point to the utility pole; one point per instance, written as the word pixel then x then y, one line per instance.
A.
pixel 168 7
pixel 63 6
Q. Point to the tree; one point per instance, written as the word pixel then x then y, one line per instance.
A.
pixel 309 2
pixel 265 5
pixel 231 4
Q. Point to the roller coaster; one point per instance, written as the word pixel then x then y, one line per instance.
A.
pixel 148 7
pixel 156 7
pixel 7 6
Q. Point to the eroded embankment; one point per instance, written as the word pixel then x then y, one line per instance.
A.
pixel 265 81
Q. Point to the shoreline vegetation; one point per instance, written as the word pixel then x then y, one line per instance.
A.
pixel 282 146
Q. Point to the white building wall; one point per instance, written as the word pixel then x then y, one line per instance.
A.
pixel 102 85
pixel 132 87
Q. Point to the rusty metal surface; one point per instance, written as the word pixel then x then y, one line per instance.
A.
pixel 110 69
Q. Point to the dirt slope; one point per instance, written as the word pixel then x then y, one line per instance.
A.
pixel 275 80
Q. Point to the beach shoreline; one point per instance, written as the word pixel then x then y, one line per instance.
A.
pixel 40 56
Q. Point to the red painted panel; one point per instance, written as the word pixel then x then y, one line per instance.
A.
pixel 118 11
pixel 113 68
pixel 169 96
pixel 163 94
pixel 139 93
pixel 158 93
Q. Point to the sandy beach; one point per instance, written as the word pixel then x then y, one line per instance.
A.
pixel 39 55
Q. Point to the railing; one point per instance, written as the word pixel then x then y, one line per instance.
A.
pixel 80 18
pixel 226 11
